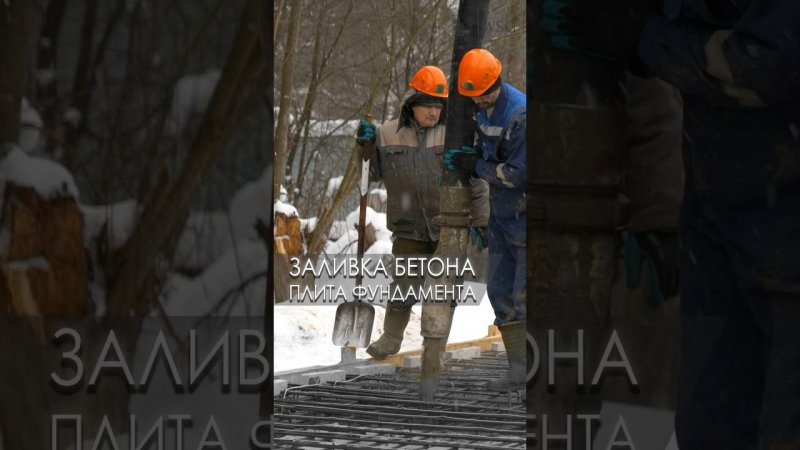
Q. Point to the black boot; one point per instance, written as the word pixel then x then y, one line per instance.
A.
pixel 394 325
pixel 514 338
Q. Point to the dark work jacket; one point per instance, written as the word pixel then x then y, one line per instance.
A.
pixel 409 160
pixel 654 169
pixel 737 64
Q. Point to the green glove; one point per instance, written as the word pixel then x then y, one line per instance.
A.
pixel 478 237
pixel 661 252
pixel 461 159
pixel 606 29
pixel 365 132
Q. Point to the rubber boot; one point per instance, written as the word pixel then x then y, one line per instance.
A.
pixel 437 319
pixel 394 324
pixel 514 338
pixel 431 367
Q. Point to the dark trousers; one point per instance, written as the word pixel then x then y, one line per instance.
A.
pixel 740 313
pixel 506 280
pixel 410 248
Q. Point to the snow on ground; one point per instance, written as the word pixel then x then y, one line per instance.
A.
pixel 376 219
pixel 380 247
pixel 338 229
pixel 346 244
pixel 285 209
pixel 72 117
pixel 49 178
pixel 303 333
pixel 206 245
pixel 333 186
pixel 30 127
pixel 308 225
pixel 381 193
pixel 119 216
pixel 191 96
pixel 232 286
pixel 303 336
pixel 119 220
pixel 347 241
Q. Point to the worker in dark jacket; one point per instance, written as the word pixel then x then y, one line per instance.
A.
pixel 736 63
pixel 501 161
pixel 408 158
pixel 654 185
pixel 645 310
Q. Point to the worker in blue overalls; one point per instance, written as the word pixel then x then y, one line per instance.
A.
pixel 500 159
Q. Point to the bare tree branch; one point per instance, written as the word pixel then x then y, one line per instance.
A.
pixel 46 57
pixel 15 24
pixel 136 278
pixel 327 213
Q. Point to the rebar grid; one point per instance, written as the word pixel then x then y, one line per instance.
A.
pixel 384 412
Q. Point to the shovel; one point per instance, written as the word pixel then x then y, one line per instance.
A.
pixel 353 324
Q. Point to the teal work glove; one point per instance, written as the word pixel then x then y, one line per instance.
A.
pixel 365 132
pixel 661 252
pixel 461 159
pixel 606 29
pixel 478 237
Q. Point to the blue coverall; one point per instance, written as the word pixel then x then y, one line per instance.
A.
pixel 737 63
pixel 501 140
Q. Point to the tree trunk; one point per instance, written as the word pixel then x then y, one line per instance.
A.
pixel 22 400
pixel 285 100
pixel 514 62
pixel 15 31
pixel 326 213
pixel 46 57
pixel 81 85
pixel 267 22
pixel 134 281
pixel 37 300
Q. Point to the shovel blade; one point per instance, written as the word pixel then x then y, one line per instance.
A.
pixel 353 325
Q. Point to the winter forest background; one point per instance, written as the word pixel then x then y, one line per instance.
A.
pixel 349 58
pixel 134 139
pixel 335 62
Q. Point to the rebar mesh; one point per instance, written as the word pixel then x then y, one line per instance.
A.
pixel 384 412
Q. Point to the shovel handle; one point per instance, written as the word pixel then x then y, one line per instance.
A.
pixel 368 148
pixel 362 209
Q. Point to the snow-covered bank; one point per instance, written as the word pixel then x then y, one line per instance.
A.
pixel 303 333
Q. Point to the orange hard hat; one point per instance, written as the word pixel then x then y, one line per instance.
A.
pixel 430 80
pixel 477 72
